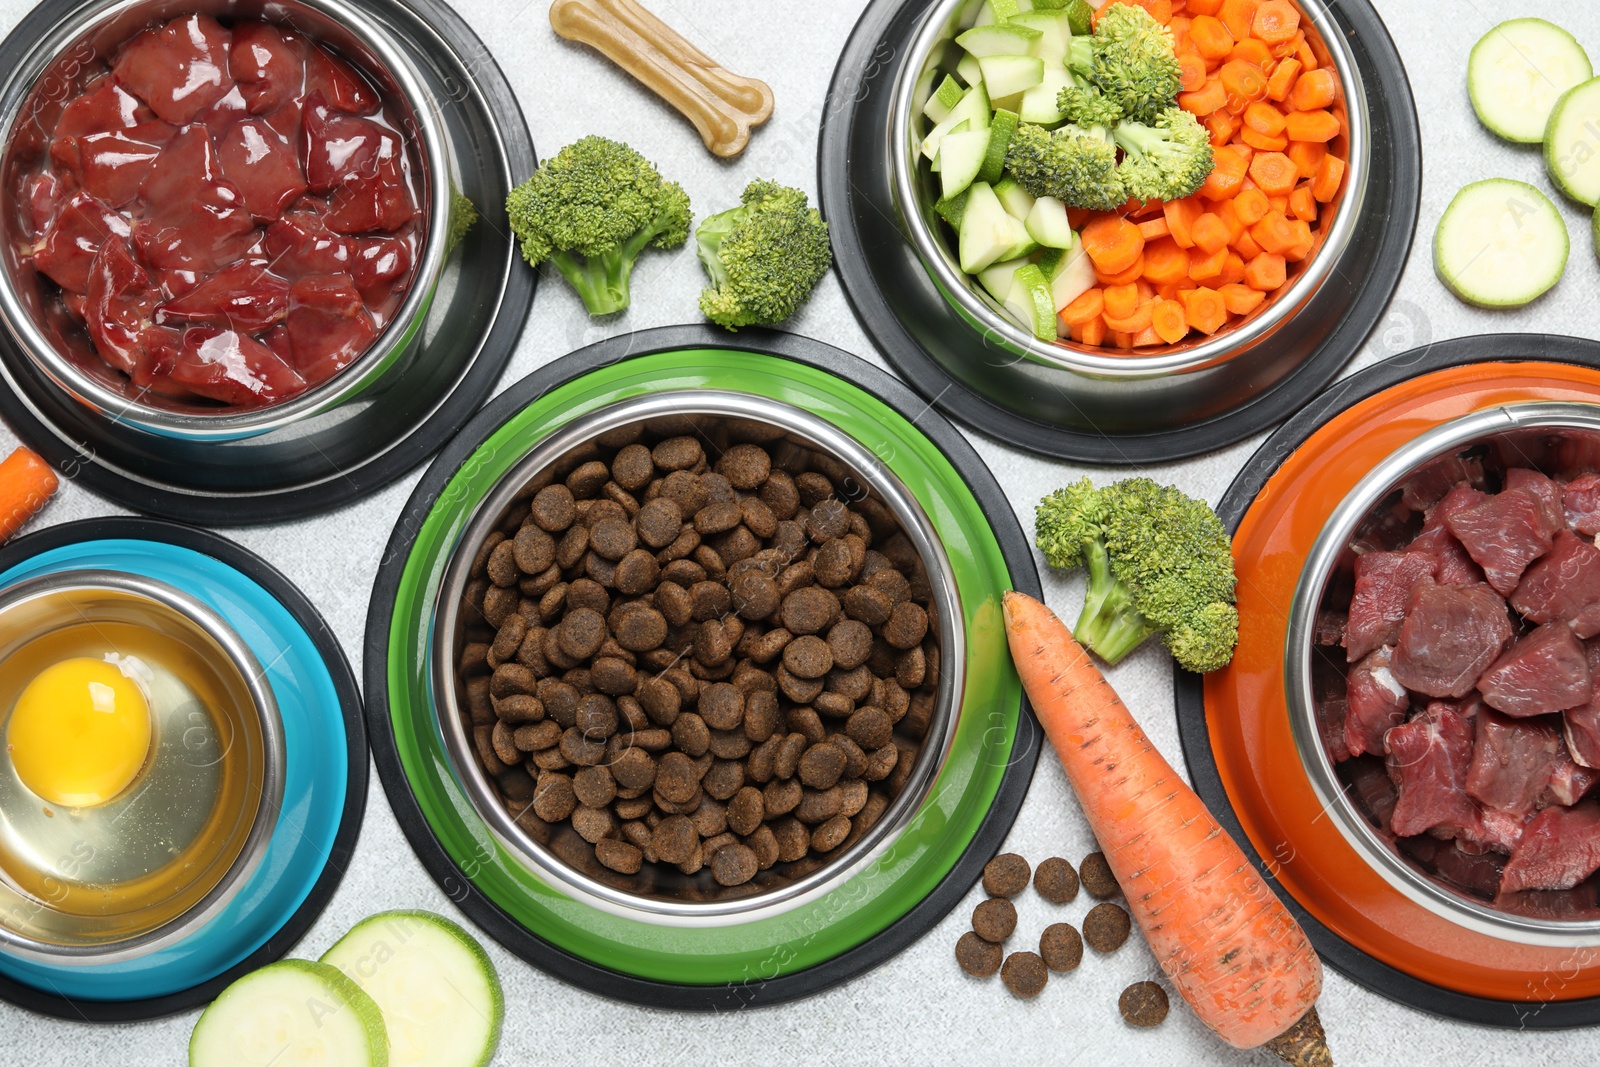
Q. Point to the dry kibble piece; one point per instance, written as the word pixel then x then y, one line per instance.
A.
pixel 995 919
pixel 781 796
pixel 553 798
pixel 1106 927
pixel 1025 974
pixel 533 549
pixel 661 700
pixel 831 834
pixel 808 657
pixel 674 839
pixel 828 519
pixel 637 573
pixel 581 749
pixel 1097 877
pixel 619 856
pixel 676 778
pixel 633 468
pixel 593 824
pixel 641 629
pixel 659 522
pixel 594 787
pixel 554 509
pixel 581 633
pixel 755 596
pixel 907 626
pixel 850 642
pixel 724 779
pixel 1061 947
pixel 1006 875
pixel 1143 1004
pixel 722 706
pixel 870 728
pixel 978 957
pixel 765 845
pixel 745 466
pixel 677 453
pixel 746 810
pixel 808 610
pixel 734 864
pixel 821 766
pixel 634 769
pixel 1056 881
pixel 536 737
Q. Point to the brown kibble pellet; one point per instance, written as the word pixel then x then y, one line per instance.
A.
pixel 755 596
pixel 828 519
pixel 637 573
pixel 553 798
pixel 821 766
pixel 581 633
pixel 1097 878
pixel 594 787
pixel 850 642
pixel 554 509
pixel 978 957
pixel 533 549
pixel 745 466
pixel 722 706
pixel 593 823
pixel 674 839
pixel 1025 974
pixel 641 629
pixel 746 810
pixel 808 657
pixel 831 834
pixel 734 864
pixel 1006 875
pixel 1061 947
pixel 1106 927
pixel 633 468
pixel 995 919
pixel 676 779
pixel 907 626
pixel 677 454
pixel 1056 881
pixel 1143 1004
pixel 870 728
pixel 808 610
pixel 619 856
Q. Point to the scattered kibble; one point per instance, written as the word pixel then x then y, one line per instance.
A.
pixel 978 957
pixel 1006 876
pixel 1025 974
pixel 1143 1004
pixel 1056 881
pixel 1061 947
pixel 1106 927
pixel 1097 877
pixel 994 920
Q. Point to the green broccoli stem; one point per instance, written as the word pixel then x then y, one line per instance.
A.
pixel 1109 624
pixel 602 281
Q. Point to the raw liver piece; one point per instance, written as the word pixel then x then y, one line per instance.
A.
pixel 180 69
pixel 328 325
pixel 1581 500
pixel 268 66
pixel 74 238
pixel 1450 635
pixel 1384 581
pixel 299 245
pixel 234 368
pixel 106 106
pixel 1564 585
pixel 1513 762
pixel 1428 759
pixel 263 165
pixel 1559 849
pixel 120 303
pixel 243 296
pixel 340 86
pixel 1544 672
pixel 1503 535
pixel 1374 701
pixel 1547 492
pixel 206 233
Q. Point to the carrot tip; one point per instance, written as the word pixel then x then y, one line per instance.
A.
pixel 1304 1044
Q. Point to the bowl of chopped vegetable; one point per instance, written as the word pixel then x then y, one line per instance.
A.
pixel 1133 205
pixel 174 261
pixel 1437 673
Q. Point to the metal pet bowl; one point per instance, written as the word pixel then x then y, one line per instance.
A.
pixel 1561 439
pixel 1109 391
pixel 659 894
pixel 152 865
pixel 74 48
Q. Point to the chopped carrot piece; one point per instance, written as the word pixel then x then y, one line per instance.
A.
pixel 1227 176
pixel 1302 205
pixel 1244 80
pixel 1330 174
pixel 1204 100
pixel 1147 338
pixel 1118 338
pixel 1222 126
pixel 1112 242
pixel 1191 72
pixel 1232 270
pixel 1141 209
pixel 1264 118
pixel 1092 332
pixel 1246 246
pixel 1274 233
pixel 1283 79
pixel 1146 290
pixel 1304 53
pixel 1138 320
pixel 1279 203
pixel 1276 21
pixel 1210 233
pixel 1078 217
pixel 1250 205
pixel 1224 210
pixel 1251 50
pixel 1168 320
pixel 1261 142
pixel 1205 268
pixel 1203 7
pixel 1090 304
pixel 1165 263
pixel 1205 310
pixel 1304 241
pixel 1210 38
pixel 1307 157
pixel 1180 216
pixel 1121 301
pixel 1266 273
pixel 1239 16
pixel 1315 90
pixel 1153 229
pixel 1274 173
pixel 1127 277
pixel 1241 299
pixel 1318 126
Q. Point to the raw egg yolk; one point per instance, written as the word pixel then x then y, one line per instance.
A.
pixel 79 733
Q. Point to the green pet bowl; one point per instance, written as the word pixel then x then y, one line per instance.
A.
pixel 885 904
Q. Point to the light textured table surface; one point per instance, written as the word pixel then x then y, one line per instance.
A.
pixel 918 1008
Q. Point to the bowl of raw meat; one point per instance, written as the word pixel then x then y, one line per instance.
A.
pixel 221 217
pixel 1443 671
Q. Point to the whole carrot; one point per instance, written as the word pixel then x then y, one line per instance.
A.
pixel 1228 944
pixel 26 482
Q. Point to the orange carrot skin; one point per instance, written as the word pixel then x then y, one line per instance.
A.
pixel 26 483
pixel 1229 946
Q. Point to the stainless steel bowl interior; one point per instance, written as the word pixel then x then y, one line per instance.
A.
pixel 84 38
pixel 1559 438
pixel 154 864
pixel 660 897
pixel 933 53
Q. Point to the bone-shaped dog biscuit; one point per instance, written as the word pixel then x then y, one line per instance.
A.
pixel 722 106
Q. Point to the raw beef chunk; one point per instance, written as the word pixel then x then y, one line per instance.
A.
pixel 1450 635
pixel 1374 703
pixel 1503 535
pixel 1513 762
pixel 1565 585
pixel 1544 672
pixel 1383 589
pixel 1428 759
pixel 1559 849
pixel 1580 498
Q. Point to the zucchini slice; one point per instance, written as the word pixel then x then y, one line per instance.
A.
pixel 1516 73
pixel 292 1011
pixel 1572 143
pixel 1500 244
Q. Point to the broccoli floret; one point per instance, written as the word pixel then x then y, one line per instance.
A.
pixel 1166 161
pixel 763 257
pixel 591 211
pixel 1159 562
pixel 1087 106
pixel 463 217
pixel 1131 59
pixel 1070 163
